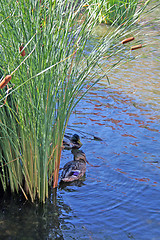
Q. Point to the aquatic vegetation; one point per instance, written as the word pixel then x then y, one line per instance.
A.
pixel 115 12
pixel 45 49
pixel 5 81
pixel 127 40
pixel 136 47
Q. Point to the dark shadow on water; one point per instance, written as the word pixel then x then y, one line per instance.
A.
pixel 23 220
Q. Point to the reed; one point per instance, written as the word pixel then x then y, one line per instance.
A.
pixel 45 48
pixel 115 12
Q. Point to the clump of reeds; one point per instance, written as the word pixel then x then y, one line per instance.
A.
pixel 115 12
pixel 50 72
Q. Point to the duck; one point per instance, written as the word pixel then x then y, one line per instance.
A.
pixel 72 143
pixel 74 170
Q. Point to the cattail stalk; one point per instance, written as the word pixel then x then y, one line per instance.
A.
pixel 127 40
pixel 5 81
pixel 136 47
pixel 22 52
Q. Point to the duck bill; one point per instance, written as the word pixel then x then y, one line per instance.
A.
pixel 79 142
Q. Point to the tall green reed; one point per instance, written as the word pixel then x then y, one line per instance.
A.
pixel 115 12
pixel 47 83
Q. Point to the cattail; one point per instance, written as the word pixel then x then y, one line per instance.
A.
pixel 136 47
pixel 86 5
pixel 128 40
pixel 5 81
pixel 23 52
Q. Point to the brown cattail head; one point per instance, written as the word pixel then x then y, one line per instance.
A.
pixel 23 52
pixel 136 47
pixel 127 40
pixel 5 81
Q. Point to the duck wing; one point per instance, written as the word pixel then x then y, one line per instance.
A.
pixel 68 169
pixel 73 169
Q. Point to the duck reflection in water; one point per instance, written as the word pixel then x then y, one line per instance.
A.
pixel 74 171
pixel 69 186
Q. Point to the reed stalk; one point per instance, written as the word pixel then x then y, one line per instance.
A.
pixel 115 12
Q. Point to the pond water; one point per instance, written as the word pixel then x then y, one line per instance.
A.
pixel 120 199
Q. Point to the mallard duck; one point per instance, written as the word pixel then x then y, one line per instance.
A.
pixel 73 142
pixel 75 169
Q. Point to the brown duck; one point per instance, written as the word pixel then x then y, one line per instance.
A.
pixel 75 169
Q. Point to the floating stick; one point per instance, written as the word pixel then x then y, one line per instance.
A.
pixel 5 81
pixel 127 40
pixel 136 47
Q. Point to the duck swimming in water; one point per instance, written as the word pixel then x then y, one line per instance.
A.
pixel 74 142
pixel 75 169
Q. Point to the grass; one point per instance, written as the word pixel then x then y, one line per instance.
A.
pixel 115 12
pixel 45 47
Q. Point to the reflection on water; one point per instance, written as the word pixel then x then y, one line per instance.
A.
pixel 140 77
pixel 119 199
pixel 67 186
pixel 22 220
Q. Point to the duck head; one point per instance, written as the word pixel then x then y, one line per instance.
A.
pixel 79 155
pixel 75 139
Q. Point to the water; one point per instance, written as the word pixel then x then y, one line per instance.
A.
pixel 119 199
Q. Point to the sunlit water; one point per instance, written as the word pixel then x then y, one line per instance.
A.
pixel 120 199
